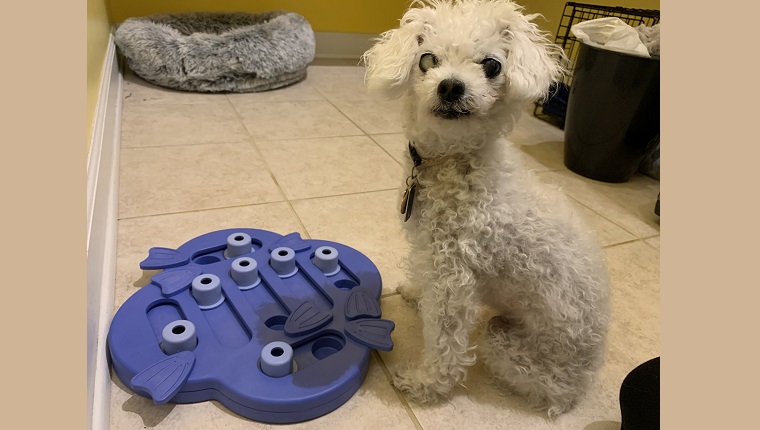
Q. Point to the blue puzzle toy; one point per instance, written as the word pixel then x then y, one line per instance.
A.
pixel 276 328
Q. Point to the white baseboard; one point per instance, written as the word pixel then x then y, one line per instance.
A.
pixel 342 45
pixel 102 211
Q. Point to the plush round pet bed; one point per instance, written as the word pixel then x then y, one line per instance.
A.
pixel 218 52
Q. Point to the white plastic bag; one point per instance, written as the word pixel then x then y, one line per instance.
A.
pixel 610 33
pixel 650 37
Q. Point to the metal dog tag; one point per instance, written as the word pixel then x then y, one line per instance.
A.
pixel 407 201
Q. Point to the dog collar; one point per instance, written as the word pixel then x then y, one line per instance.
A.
pixel 416 159
pixel 420 163
pixel 407 200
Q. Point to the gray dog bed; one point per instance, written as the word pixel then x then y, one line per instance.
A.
pixel 218 52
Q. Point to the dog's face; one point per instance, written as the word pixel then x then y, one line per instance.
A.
pixel 455 80
pixel 462 63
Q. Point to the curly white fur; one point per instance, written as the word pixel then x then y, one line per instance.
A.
pixel 484 231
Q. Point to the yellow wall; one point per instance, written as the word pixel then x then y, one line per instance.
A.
pixel 98 29
pixel 552 9
pixel 340 16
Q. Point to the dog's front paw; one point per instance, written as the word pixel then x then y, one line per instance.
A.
pixel 419 386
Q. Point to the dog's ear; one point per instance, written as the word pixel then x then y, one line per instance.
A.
pixel 533 62
pixel 390 61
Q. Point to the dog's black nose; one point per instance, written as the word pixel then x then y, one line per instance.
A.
pixel 450 90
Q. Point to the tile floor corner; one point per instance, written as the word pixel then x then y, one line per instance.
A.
pixel 320 158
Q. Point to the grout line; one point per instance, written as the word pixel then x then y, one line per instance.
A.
pixel 603 216
pixel 366 132
pixel 563 189
pixel 349 119
pixel 400 396
pixel 295 100
pixel 298 218
pixel 627 242
pixel 162 103
pixel 328 98
pixel 309 138
pixel 241 142
pixel 652 246
pixel 290 205
pixel 240 117
pixel 649 244
pixel 387 133
pixel 271 174
pixel 385 150
pixel 289 202
pixel 387 295
pixel 320 92
pixel 129 93
pixel 200 210
pixel 344 194
pixel 325 100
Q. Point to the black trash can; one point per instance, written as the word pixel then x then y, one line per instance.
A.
pixel 613 113
pixel 640 397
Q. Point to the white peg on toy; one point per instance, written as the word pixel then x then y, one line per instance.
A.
pixel 277 359
pixel 207 291
pixel 283 261
pixel 238 244
pixel 178 336
pixel 245 272
pixel 326 258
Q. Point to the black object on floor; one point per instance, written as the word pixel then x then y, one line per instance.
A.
pixel 657 206
pixel 613 113
pixel 556 104
pixel 640 397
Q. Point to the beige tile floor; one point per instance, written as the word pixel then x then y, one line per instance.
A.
pixel 321 158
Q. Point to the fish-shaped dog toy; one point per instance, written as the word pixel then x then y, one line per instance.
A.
pixel 276 328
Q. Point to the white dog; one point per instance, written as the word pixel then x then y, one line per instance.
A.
pixel 483 230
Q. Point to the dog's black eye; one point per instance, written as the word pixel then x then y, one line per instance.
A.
pixel 428 61
pixel 491 67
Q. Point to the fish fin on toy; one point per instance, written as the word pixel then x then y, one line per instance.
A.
pixel 163 258
pixel 174 281
pixel 362 305
pixel 373 333
pixel 306 319
pixel 292 241
pixel 162 380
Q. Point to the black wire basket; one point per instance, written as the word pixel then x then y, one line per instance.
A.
pixel 554 108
